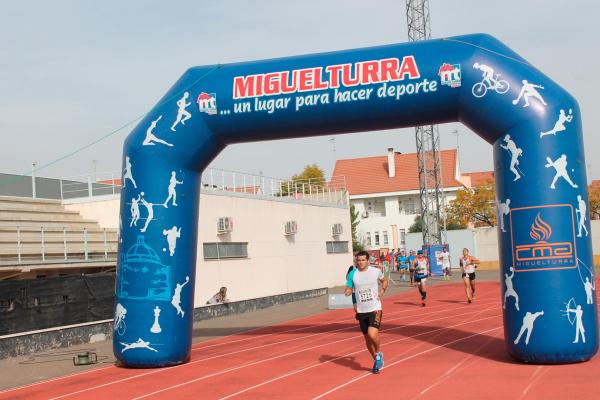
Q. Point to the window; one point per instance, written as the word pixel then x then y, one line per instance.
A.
pixel 217 251
pixel 410 208
pixel 368 238
pixel 385 238
pixel 403 236
pixel 337 247
pixel 376 238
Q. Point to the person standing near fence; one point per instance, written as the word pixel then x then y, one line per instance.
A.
pixel 444 257
pixel 402 264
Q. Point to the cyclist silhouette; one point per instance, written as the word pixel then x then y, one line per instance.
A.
pixel 489 82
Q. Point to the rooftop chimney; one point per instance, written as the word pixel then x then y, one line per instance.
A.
pixel 391 163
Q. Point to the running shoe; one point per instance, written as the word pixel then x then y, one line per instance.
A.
pixel 378 361
pixel 375 370
pixel 469 301
pixel 423 303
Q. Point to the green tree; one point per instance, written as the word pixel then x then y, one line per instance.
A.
pixel 477 206
pixel 310 180
pixel 594 200
pixel 354 221
pixel 417 226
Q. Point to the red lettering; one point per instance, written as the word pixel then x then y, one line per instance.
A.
pixel 346 79
pixel 305 79
pixel 272 83
pixel 334 75
pixel 370 72
pixel 243 86
pixel 319 84
pixel 389 70
pixel 291 88
pixel 259 84
pixel 409 67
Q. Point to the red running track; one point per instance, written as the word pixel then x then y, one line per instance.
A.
pixel 448 350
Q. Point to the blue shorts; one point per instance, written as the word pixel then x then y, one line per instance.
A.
pixel 353 298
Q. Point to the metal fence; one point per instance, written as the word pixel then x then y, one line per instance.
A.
pixel 330 191
pixel 56 244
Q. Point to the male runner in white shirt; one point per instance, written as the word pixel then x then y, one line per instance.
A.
pixel 365 282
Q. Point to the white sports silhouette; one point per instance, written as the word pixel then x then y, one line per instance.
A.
pixel 135 210
pixel 139 344
pixel 528 321
pixel 529 90
pixel 173 182
pixel 589 290
pixel 579 329
pixel 151 139
pixel 559 125
pixel 176 300
pixel 560 165
pixel 182 114
pixel 156 326
pixel 581 213
pixel 150 209
pixel 510 291
pixel 172 235
pixel 127 174
pixel 503 209
pixel 119 323
pixel 515 153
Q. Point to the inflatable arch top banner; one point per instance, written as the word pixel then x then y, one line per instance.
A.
pixel 533 125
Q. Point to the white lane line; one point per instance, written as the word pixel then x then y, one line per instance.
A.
pixel 327 333
pixel 301 351
pixel 537 375
pixel 453 369
pixel 406 359
pixel 201 347
pixel 310 366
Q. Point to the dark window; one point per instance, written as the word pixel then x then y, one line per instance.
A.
pixel 217 251
pixel 337 247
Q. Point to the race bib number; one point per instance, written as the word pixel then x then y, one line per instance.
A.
pixel 365 295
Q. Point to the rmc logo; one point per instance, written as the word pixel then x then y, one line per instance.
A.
pixel 536 245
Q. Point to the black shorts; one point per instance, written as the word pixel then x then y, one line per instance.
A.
pixel 353 298
pixel 471 275
pixel 369 320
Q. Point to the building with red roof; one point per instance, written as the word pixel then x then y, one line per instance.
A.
pixel 385 192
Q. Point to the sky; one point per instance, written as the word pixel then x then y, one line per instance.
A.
pixel 74 72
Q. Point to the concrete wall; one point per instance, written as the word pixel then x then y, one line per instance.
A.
pixel 276 263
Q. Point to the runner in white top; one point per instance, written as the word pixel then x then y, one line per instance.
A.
pixel 421 266
pixel 444 257
pixel 468 264
pixel 365 282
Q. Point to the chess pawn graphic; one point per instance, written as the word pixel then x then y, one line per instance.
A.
pixel 156 327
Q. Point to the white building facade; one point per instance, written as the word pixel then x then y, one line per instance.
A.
pixel 385 192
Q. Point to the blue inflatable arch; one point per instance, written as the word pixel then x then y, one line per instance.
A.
pixel 533 124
